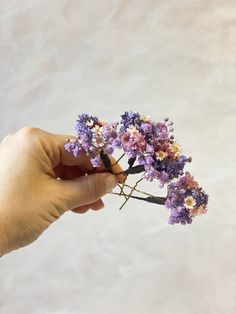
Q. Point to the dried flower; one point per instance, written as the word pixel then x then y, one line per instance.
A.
pixel 153 145
pixel 94 137
pixel 189 202
pixel 158 156
pixel 186 200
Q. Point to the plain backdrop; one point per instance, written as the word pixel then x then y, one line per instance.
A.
pixel 59 58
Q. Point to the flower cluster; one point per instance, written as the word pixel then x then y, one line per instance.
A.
pixel 95 137
pixel 158 156
pixel 153 145
pixel 186 200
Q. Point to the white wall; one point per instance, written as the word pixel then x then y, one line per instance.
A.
pixel 170 58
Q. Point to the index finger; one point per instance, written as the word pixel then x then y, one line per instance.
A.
pixel 60 155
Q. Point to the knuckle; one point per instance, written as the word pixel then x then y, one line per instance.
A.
pixel 28 131
pixel 6 138
pixel 60 205
pixel 59 199
pixel 95 189
pixel 28 136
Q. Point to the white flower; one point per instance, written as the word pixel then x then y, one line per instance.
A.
pixel 145 118
pixel 176 148
pixel 97 142
pixel 132 130
pixel 90 123
pixel 189 202
pixel 96 129
pixel 160 155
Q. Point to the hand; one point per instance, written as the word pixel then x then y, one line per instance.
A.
pixel 32 197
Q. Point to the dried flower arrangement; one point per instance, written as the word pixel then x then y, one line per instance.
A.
pixel 151 150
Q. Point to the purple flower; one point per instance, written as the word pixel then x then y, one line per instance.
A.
pixel 173 168
pixel 96 161
pixel 186 200
pixel 94 137
pixel 130 118
pixel 146 128
pixel 85 121
pixel 150 149
pixel 180 215
pixel 150 173
pixel 133 142
pixel 153 145
pixel 162 131
pixel 72 146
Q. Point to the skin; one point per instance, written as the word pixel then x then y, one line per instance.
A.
pixel 32 197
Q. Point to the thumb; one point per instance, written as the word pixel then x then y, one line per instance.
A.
pixel 86 189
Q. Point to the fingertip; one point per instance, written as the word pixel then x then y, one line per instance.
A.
pixel 81 209
pixel 97 205
pixel 94 206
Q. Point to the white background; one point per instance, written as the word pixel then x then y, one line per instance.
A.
pixel 59 58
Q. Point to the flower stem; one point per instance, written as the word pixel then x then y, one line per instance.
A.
pixel 154 199
pixel 133 170
pixel 118 159
pixel 131 162
pixel 107 162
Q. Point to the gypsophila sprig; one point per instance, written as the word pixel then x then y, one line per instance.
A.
pixel 152 151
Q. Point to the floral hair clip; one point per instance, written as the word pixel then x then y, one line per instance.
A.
pixel 152 151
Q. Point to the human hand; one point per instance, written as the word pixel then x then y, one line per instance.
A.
pixel 31 196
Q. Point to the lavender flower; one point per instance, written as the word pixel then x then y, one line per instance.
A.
pixel 130 118
pixel 94 137
pixel 73 146
pixel 153 145
pixel 186 200
pixel 158 156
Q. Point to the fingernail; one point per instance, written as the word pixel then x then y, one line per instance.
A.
pixel 111 182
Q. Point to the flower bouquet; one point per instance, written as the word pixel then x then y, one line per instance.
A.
pixel 152 151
